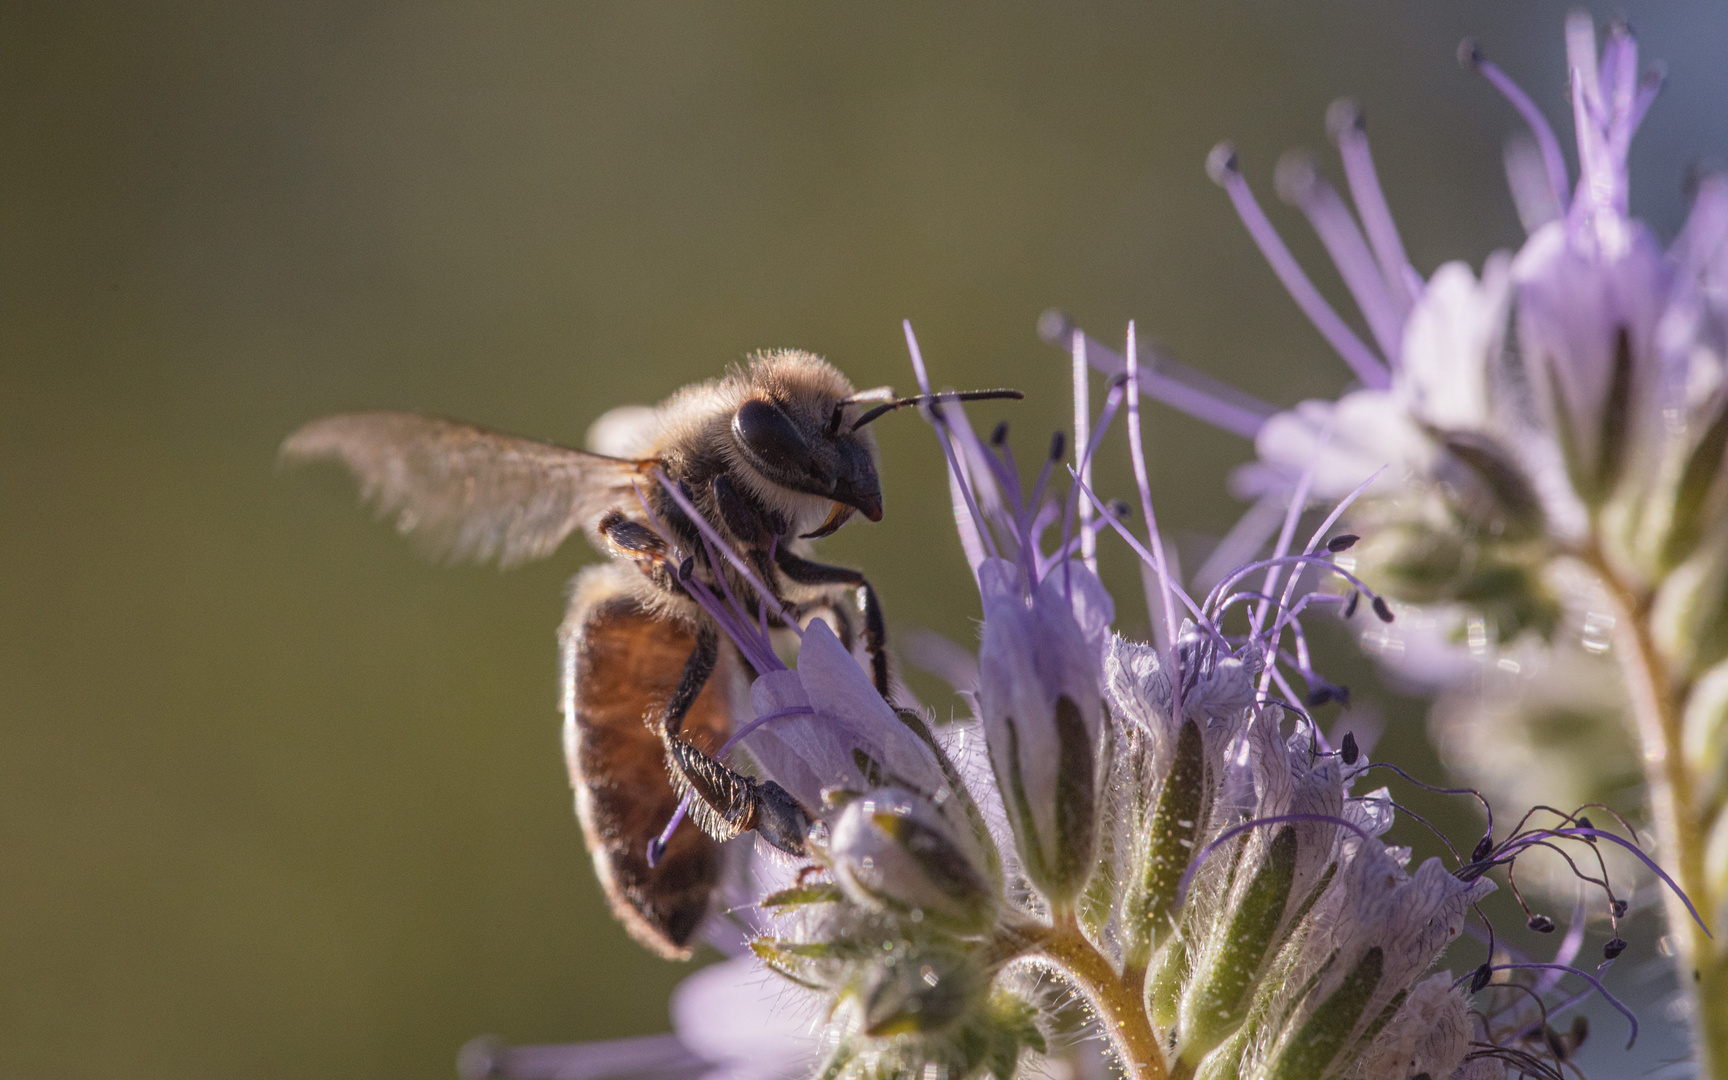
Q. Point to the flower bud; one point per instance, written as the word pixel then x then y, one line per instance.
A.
pixel 892 849
pixel 1218 998
pixel 1041 666
pixel 913 992
pixel 1588 301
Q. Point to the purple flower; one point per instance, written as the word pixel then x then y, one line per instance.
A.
pixel 829 723
pixel 1040 662
pixel 731 1021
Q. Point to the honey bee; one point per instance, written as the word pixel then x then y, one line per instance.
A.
pixel 772 455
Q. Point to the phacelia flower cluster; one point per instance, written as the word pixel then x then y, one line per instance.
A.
pixel 1148 842
pixel 1543 445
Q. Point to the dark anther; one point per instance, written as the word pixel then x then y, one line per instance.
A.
pixel 1343 542
pixel 1350 604
pixel 1382 609
pixel 1618 907
pixel 1117 382
pixel 1319 696
pixel 1584 823
pixel 1482 850
pixel 1556 1043
pixel 1058 445
pixel 1613 949
pixel 1484 975
pixel 1120 509
pixel 1000 434
pixel 1348 750
pixel 686 568
pixel 1469 54
pixel 1542 924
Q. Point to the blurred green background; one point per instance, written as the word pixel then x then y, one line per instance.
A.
pixel 276 799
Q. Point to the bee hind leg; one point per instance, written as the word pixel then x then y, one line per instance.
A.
pixel 726 802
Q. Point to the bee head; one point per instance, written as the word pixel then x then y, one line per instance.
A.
pixel 803 446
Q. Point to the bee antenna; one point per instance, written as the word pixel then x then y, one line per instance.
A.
pixel 921 399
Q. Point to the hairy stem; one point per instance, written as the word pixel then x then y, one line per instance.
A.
pixel 1658 700
pixel 1118 1003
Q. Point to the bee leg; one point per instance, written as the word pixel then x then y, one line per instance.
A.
pixel 752 523
pixel 805 572
pixel 735 803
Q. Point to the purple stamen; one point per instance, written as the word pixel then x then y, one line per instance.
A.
pixel 1619 72
pixel 1287 531
pixel 1527 177
pixel 657 846
pixel 1569 946
pixel 1243 541
pixel 1230 834
pixel 1325 528
pixel 1546 141
pixel 975 535
pixel 709 533
pixel 1349 132
pixel 1176 385
pixel 989 483
pixel 1300 184
pixel 1287 560
pixel 738 609
pixel 778 714
pixel 1282 682
pixel 1147 556
pixel 1111 402
pixel 1155 540
pixel 1564 970
pixel 984 470
pixel 1221 165
pixel 759 651
pixel 1472 792
pixel 1581 53
pixel 1513 846
pixel 1083 448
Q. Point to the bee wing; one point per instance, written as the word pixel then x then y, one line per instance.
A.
pixel 466 493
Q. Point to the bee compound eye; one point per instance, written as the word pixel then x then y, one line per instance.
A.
pixel 767 433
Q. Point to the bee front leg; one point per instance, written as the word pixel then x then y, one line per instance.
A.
pixel 805 572
pixel 727 802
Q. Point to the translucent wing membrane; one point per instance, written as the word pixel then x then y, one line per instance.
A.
pixel 462 492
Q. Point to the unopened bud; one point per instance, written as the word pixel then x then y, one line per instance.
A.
pixel 891 849
pixel 909 993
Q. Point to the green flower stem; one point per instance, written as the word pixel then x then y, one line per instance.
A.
pixel 1658 704
pixel 1117 1001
